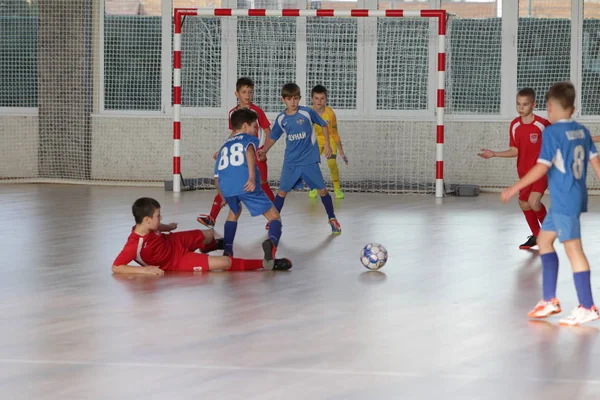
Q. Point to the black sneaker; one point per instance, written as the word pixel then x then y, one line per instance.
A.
pixel 268 259
pixel 282 264
pixel 531 242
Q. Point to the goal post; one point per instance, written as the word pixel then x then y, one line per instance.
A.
pixel 439 16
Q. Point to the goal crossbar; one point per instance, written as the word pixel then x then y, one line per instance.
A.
pixel 439 15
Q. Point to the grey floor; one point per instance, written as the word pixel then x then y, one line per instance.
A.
pixel 445 318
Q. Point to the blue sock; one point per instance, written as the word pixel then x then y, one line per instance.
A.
pixel 275 231
pixel 549 275
pixel 228 236
pixel 584 289
pixel 279 202
pixel 328 203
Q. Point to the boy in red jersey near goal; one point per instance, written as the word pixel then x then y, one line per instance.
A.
pixel 244 91
pixel 525 143
pixel 157 252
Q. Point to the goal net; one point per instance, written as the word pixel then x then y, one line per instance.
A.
pixel 383 70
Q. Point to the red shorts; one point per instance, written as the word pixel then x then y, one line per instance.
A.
pixel 185 244
pixel 538 186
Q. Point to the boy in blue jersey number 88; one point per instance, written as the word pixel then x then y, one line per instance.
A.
pixel 302 157
pixel 567 147
pixel 238 181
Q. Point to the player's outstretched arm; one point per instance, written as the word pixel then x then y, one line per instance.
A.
pixel 130 269
pixel 596 164
pixel 510 153
pixel 534 174
pixel 262 153
pixel 251 160
pixel 327 144
pixel 167 227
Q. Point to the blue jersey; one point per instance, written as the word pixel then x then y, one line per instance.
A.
pixel 567 147
pixel 232 166
pixel 301 140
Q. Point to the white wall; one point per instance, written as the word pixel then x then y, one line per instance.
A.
pixel 19 140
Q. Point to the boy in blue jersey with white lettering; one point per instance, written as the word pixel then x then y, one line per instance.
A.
pixel 302 157
pixel 238 181
pixel 567 147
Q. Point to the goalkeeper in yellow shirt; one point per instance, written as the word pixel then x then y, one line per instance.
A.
pixel 319 101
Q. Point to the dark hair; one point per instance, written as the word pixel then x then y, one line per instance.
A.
pixel 242 116
pixel 290 90
pixel 244 81
pixel 527 92
pixel 564 93
pixel 319 89
pixel 144 207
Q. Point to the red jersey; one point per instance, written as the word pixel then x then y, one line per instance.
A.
pixel 155 249
pixel 263 122
pixel 527 138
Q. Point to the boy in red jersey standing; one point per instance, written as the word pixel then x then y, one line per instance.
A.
pixel 525 143
pixel 244 91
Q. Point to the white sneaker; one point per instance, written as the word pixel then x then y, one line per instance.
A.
pixel 544 309
pixel 580 315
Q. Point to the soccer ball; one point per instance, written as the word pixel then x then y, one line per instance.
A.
pixel 373 256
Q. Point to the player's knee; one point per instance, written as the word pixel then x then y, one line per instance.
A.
pixel 573 248
pixel 208 236
pixel 272 214
pixel 524 205
pixel 323 192
pixel 535 205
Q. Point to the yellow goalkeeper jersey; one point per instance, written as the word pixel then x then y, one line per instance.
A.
pixel 329 117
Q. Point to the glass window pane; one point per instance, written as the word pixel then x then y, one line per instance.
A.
pixel 473 58
pixel 544 46
pixel 201 62
pixel 267 54
pixel 402 63
pixel 590 90
pixel 331 59
pixel 18 54
pixel 132 66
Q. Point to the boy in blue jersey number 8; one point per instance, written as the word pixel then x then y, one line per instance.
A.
pixel 302 157
pixel 567 147
pixel 238 181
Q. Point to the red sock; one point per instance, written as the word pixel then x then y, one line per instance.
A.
pixel 541 214
pixel 216 207
pixel 206 248
pixel 532 221
pixel 267 189
pixel 240 264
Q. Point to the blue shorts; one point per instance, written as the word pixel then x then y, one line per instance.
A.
pixel 293 176
pixel 256 202
pixel 567 227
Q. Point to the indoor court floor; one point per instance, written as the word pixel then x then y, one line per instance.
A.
pixel 444 319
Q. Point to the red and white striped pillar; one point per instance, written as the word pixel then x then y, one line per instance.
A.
pixel 177 103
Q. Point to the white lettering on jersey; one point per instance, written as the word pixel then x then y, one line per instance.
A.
pixel 574 135
pixel 296 136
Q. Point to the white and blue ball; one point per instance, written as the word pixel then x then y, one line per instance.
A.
pixel 373 256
